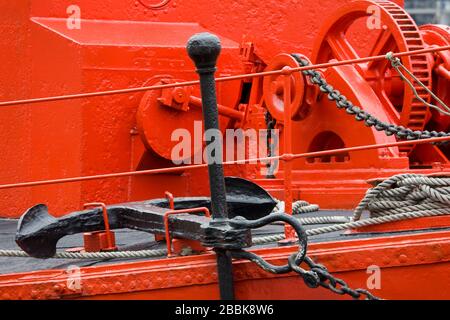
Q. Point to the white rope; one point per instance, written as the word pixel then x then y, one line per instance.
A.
pixel 358 224
pixel 405 193
pixel 401 197
pixel 298 207
pixel 92 255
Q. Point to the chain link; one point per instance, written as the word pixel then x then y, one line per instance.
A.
pixel 271 145
pixel 360 115
pixel 316 276
pixel 338 286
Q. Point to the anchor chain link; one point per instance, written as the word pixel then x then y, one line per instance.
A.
pixel 330 282
pixel 272 143
pixel 317 275
pixel 360 115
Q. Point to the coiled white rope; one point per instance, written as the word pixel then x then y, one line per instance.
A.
pixel 405 193
pixel 298 207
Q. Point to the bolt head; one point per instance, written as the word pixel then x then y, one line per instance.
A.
pixel 286 71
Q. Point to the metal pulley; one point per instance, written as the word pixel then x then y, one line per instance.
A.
pixel 302 93
pixel 162 112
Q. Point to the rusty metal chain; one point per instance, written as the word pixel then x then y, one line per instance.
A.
pixel 360 115
pixel 271 145
pixel 328 281
pixel 316 276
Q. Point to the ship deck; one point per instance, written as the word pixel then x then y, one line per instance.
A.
pixel 135 240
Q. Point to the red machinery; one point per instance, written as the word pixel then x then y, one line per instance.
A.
pixel 134 45
pixel 128 44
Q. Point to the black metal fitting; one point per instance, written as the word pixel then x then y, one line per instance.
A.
pixel 204 49
pixel 38 232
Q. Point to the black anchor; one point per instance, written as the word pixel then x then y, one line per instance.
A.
pixel 38 232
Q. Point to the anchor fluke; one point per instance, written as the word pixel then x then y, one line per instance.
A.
pixel 32 234
pixel 38 232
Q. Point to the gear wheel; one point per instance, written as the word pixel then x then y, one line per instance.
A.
pixel 398 33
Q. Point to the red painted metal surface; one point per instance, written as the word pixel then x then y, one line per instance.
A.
pixel 203 210
pixel 124 44
pixel 101 240
pixel 399 33
pixel 436 35
pixel 411 267
pixel 122 83
pixel 284 157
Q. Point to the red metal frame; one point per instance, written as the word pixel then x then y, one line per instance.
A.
pixel 424 256
pixel 196 275
pixel 110 239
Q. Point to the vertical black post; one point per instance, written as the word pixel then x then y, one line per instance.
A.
pixel 204 49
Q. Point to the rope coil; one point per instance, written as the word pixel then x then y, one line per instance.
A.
pixel 298 207
pixel 407 193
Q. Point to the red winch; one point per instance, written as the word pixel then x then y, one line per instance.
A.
pixel 143 47
pixel 102 110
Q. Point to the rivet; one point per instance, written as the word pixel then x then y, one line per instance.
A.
pixel 159 281
pixel 88 288
pixel 200 278
pixel 118 285
pixel 262 273
pixel 403 258
pixel 34 294
pixel 57 288
pixel 351 263
pixel 188 279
